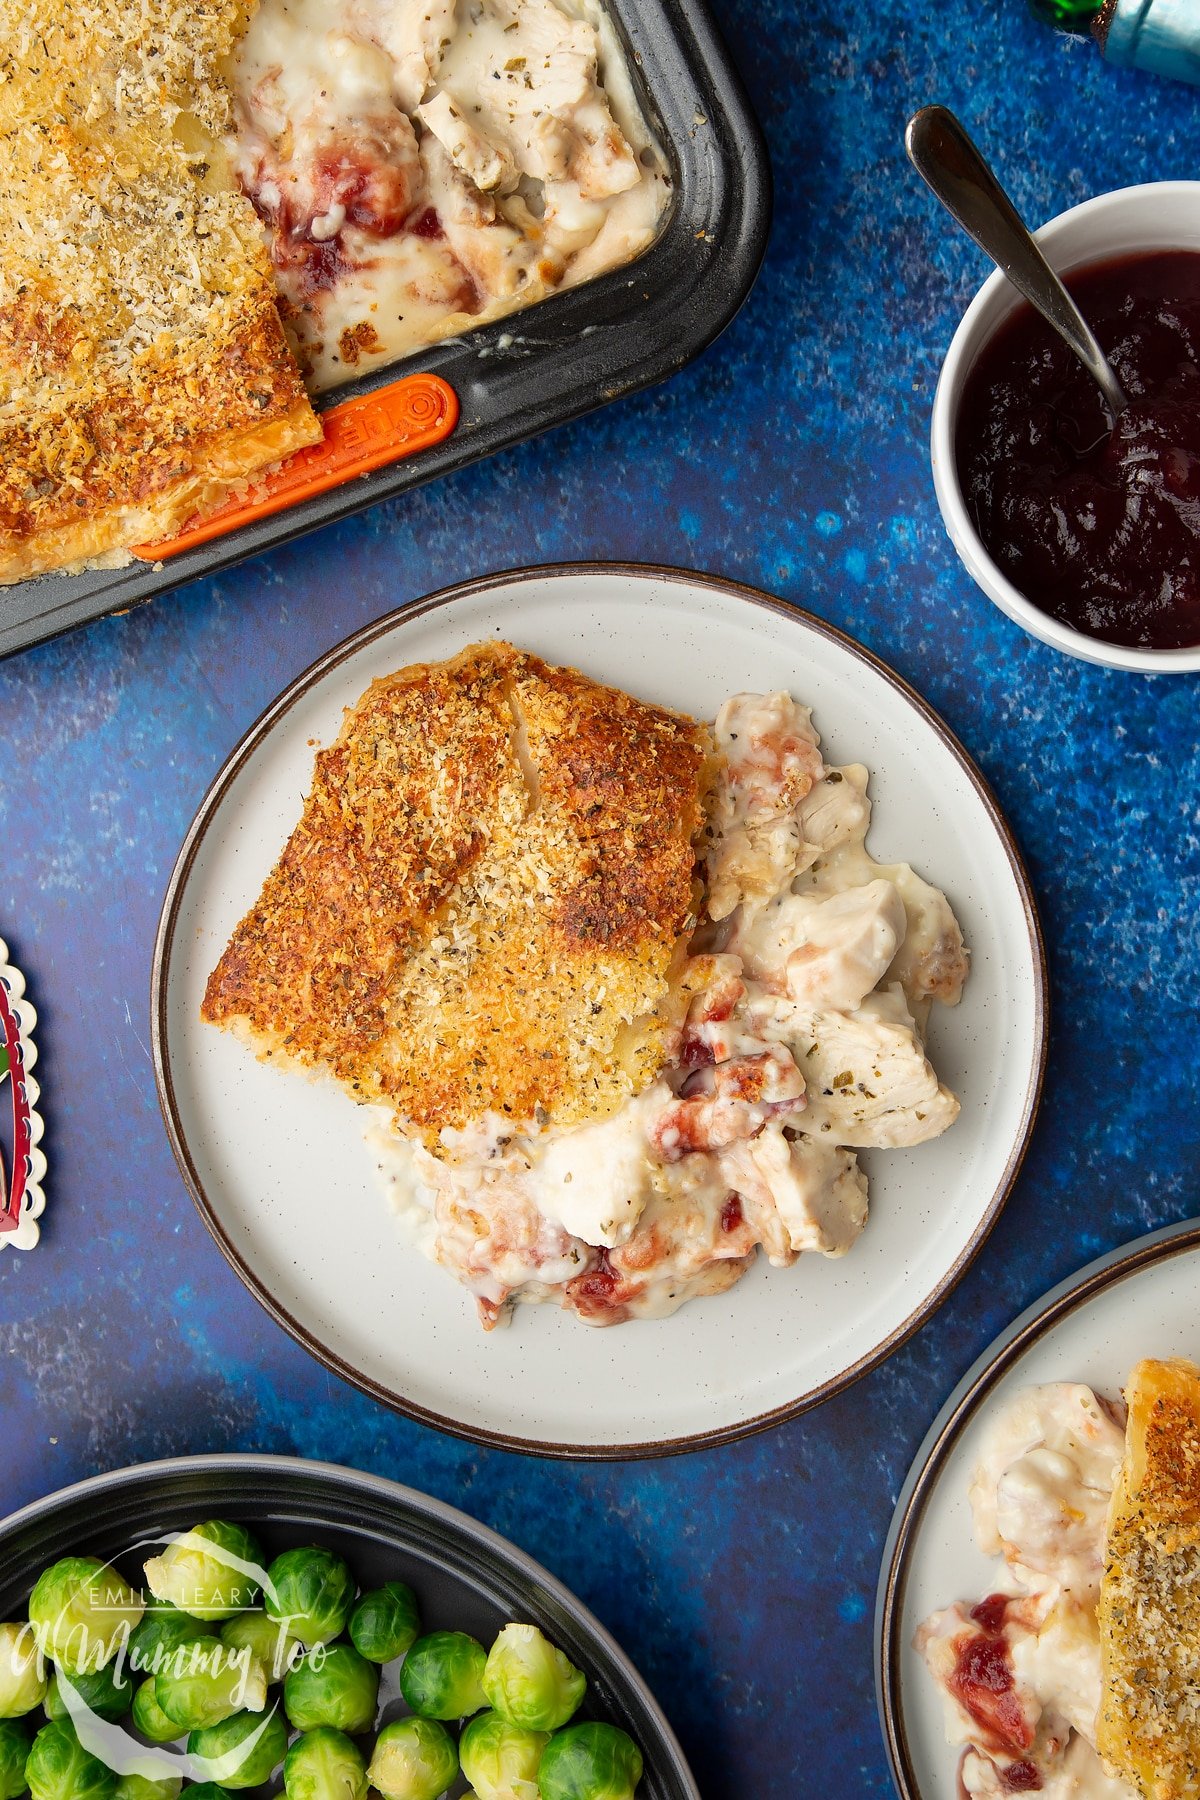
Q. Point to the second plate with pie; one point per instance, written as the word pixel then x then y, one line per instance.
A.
pixel 278 1165
pixel 1138 1301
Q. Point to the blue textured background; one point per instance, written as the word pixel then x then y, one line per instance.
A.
pixel 741 1581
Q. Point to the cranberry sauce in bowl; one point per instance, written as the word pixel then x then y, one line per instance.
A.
pixel 1097 526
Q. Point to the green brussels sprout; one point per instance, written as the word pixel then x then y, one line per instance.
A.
pixel 529 1682
pixel 107 1692
pixel 82 1612
pixel 22 1673
pixel 142 1787
pixel 590 1762
pixel 204 1571
pixel 244 1750
pixel 262 1637
pixel 501 1760
pixel 14 1753
pixel 162 1630
pixel 310 1591
pixel 149 1717
pixel 205 1790
pixel 442 1674
pixel 208 1681
pixel 334 1686
pixel 325 1765
pixel 414 1759
pixel 385 1622
pixel 59 1768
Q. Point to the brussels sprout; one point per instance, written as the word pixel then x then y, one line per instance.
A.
pixel 325 1765
pixel 501 1760
pixel 385 1622
pixel 107 1692
pixel 262 1637
pixel 244 1750
pixel 14 1751
pixel 310 1591
pixel 205 1790
pixel 22 1676
pixel 162 1630
pixel 59 1768
pixel 82 1612
pixel 414 1759
pixel 590 1762
pixel 149 1717
pixel 203 1572
pixel 441 1675
pixel 208 1681
pixel 141 1787
pixel 335 1687
pixel 529 1682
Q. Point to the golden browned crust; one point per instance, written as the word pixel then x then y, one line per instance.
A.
pixel 1148 1727
pixel 485 904
pixel 144 373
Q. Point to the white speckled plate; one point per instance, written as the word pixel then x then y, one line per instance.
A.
pixel 283 1179
pixel 1137 1301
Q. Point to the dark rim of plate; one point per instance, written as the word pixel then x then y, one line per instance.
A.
pixel 375 1507
pixel 976 1387
pixel 164 943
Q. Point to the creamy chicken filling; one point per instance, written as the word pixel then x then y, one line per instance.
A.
pixel 811 981
pixel 1020 1671
pixel 422 166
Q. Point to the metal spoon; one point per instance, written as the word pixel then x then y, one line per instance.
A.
pixel 946 158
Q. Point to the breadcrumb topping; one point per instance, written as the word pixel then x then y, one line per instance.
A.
pixel 485 905
pixel 143 368
pixel 1148 1728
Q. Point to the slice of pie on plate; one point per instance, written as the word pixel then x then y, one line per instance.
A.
pixel 486 904
pixel 1148 1726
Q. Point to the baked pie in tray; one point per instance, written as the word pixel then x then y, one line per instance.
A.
pixel 144 371
pixel 204 207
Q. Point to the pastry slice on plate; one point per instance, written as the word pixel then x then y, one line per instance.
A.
pixel 1148 1726
pixel 486 904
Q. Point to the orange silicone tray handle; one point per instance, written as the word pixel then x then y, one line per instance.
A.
pixel 362 434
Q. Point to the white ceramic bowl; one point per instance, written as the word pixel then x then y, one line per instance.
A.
pixel 1162 215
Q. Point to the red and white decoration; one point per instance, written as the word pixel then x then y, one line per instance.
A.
pixel 22 1161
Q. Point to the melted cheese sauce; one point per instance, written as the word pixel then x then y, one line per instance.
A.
pixel 422 166
pixel 804 1040
pixel 1020 1673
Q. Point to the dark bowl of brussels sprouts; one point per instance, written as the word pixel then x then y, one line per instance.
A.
pixel 220 1627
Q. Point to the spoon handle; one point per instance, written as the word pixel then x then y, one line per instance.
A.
pixel 947 159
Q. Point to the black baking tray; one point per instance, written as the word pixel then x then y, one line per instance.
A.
pixel 575 351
